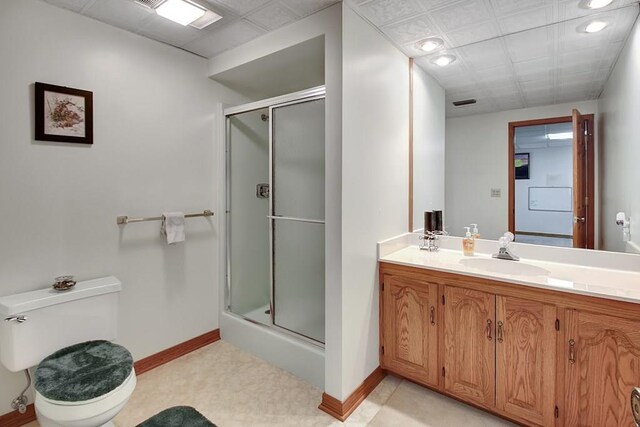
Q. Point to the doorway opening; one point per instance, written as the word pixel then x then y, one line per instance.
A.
pixel 551 181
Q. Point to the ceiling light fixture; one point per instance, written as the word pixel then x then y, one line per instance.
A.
pixel 181 11
pixel 560 135
pixel 430 44
pixel 444 60
pixel 597 4
pixel 595 26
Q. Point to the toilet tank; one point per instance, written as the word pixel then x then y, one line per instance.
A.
pixel 54 320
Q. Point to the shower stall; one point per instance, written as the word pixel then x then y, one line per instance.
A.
pixel 275 205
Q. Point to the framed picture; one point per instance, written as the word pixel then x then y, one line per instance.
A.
pixel 521 163
pixel 63 114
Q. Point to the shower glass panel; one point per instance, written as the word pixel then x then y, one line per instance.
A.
pixel 249 264
pixel 275 197
pixel 297 168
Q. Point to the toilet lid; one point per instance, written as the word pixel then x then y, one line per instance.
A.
pixel 83 371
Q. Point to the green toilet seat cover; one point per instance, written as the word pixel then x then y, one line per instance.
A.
pixel 83 371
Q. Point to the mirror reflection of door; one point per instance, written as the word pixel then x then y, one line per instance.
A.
pixel 551 181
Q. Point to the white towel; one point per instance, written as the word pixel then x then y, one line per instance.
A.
pixel 173 227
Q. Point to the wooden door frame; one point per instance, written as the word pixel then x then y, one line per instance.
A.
pixel 590 170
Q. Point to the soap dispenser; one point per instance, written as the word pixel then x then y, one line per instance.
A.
pixel 474 232
pixel 468 243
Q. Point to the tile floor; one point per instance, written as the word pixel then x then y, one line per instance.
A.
pixel 233 388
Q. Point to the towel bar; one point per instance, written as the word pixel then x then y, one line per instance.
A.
pixel 122 220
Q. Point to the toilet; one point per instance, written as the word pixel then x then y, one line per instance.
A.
pixel 82 378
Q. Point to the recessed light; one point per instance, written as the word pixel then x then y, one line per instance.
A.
pixel 181 11
pixel 560 135
pixel 443 60
pixel 430 44
pixel 595 26
pixel 597 4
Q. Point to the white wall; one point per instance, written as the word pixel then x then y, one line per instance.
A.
pixel 428 145
pixel 548 167
pixel 476 160
pixel 154 151
pixel 619 107
pixel 374 183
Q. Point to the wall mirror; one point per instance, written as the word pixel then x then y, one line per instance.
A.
pixel 540 133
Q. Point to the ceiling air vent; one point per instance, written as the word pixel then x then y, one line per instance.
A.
pixel 464 102
pixel 149 3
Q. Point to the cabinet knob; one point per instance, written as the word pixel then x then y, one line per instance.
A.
pixel 432 315
pixel 499 332
pixel 489 337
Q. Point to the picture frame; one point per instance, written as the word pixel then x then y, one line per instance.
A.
pixel 63 114
pixel 522 165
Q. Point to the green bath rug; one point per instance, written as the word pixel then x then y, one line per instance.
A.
pixel 178 416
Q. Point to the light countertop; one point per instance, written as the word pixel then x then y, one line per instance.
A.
pixel 616 284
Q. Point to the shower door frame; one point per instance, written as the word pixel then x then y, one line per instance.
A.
pixel 308 95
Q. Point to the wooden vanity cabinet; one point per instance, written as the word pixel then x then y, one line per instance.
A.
pixel 409 334
pixel 602 366
pixel 526 359
pixel 469 346
pixel 537 357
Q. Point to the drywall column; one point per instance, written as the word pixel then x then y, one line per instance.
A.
pixel 375 133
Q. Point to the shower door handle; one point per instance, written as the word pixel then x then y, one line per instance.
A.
pixel 290 218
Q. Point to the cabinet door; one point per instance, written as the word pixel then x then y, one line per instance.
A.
pixel 469 345
pixel 526 359
pixel 602 365
pixel 409 322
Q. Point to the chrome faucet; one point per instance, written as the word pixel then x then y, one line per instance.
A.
pixel 504 252
pixel 431 240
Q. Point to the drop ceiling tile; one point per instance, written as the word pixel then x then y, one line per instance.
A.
pixel 525 20
pixel 508 102
pixel 453 80
pixel 536 86
pixel 435 4
pixel 505 7
pixel 502 72
pixel 532 44
pixel 568 78
pixel 501 88
pixel 225 38
pixel 534 69
pixel 602 74
pixel 159 28
pixel 74 5
pixel 473 34
pixel 411 31
pixel 121 13
pixel 272 16
pixel 461 14
pixel 242 7
pixel 383 12
pixel 484 55
pixel 307 7
pixel 539 98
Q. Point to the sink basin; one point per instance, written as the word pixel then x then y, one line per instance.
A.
pixel 513 268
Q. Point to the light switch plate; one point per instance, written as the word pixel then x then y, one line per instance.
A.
pixel 496 192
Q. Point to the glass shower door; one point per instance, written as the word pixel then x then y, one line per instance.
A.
pixel 297 217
